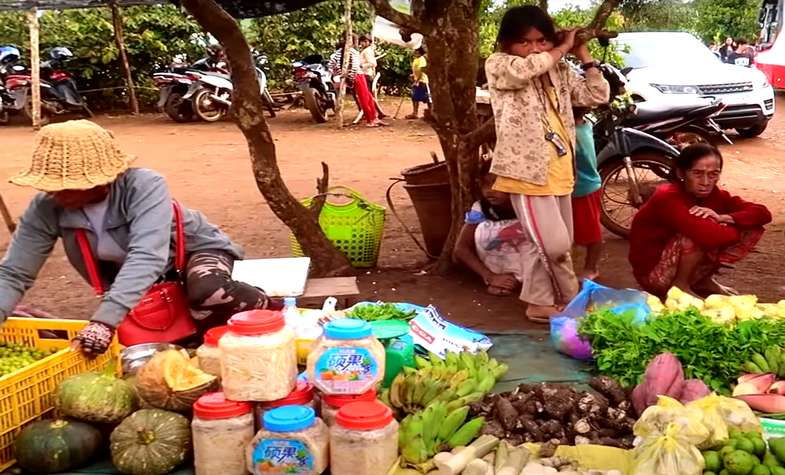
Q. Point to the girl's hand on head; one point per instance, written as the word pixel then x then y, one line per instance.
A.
pixel 567 40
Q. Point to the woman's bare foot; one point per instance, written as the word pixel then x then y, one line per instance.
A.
pixel 498 291
pixel 541 313
pixel 709 286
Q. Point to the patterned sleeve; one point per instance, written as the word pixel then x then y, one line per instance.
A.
pixel 475 214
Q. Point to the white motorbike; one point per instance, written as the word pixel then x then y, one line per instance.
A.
pixel 211 95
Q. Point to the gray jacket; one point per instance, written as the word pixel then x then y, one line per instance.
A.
pixel 139 218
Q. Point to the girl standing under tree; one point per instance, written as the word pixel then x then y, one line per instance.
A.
pixel 586 197
pixel 533 92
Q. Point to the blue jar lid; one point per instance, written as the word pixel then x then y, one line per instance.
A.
pixel 348 329
pixel 290 302
pixel 289 418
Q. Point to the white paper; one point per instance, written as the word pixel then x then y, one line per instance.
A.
pixel 283 277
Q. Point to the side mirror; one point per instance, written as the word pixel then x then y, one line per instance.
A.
pixel 17 68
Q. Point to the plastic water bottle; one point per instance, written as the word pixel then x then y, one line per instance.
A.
pixel 290 312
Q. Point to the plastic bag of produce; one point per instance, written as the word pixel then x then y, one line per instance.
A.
pixel 564 334
pixel 720 414
pixel 656 419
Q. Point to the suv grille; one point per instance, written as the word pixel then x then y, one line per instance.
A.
pixel 730 88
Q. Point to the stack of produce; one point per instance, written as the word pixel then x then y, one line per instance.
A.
pixel 723 309
pixel 15 357
pixel 762 392
pixel 665 377
pixel 558 414
pixel 745 453
pixel 170 381
pixel 372 312
pixel 771 360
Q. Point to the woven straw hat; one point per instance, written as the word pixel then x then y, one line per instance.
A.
pixel 73 155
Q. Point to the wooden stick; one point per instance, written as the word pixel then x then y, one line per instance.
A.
pixel 398 110
pixel 347 55
pixel 35 67
pixel 117 22
pixel 9 221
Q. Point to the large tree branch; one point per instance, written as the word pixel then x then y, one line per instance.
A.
pixel 603 12
pixel 486 133
pixel 408 22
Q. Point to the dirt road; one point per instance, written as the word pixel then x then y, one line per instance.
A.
pixel 208 169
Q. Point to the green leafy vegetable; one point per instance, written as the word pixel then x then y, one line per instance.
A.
pixel 383 311
pixel 708 351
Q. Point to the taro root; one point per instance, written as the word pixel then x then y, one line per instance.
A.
pixel 551 427
pixel 494 428
pixel 609 388
pixel 594 403
pixel 582 426
pixel 548 449
pixel 506 414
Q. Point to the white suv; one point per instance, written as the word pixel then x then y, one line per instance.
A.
pixel 673 68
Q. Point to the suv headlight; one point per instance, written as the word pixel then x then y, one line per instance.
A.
pixel 762 84
pixel 668 89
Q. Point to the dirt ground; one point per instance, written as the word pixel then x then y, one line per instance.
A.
pixel 208 169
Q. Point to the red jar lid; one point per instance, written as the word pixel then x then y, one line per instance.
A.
pixel 214 334
pixel 256 322
pixel 302 395
pixel 364 415
pixel 340 400
pixel 216 406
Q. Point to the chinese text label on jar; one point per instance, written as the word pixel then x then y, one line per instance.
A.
pixel 293 440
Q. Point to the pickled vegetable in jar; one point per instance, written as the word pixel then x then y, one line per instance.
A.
pixel 292 440
pixel 221 431
pixel 208 354
pixel 303 395
pixel 348 359
pixel 258 357
pixel 332 403
pixel 364 439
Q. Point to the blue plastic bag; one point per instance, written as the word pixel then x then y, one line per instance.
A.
pixel 564 327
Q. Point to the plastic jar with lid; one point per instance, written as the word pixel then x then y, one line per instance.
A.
pixel 303 395
pixel 363 440
pixel 258 357
pixel 221 431
pixel 292 440
pixel 348 359
pixel 208 354
pixel 332 403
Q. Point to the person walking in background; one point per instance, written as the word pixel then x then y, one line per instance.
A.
pixel 355 81
pixel 744 54
pixel 586 197
pixel 368 65
pixel 421 92
pixel 533 92
pixel 727 50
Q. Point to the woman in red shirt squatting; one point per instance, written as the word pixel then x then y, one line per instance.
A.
pixel 690 228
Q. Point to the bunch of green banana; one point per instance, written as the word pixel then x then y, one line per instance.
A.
pixel 458 381
pixel 436 429
pixel 771 361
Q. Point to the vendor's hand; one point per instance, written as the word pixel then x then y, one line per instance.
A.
pixel 706 213
pixel 502 281
pixel 94 339
pixel 581 51
pixel 567 40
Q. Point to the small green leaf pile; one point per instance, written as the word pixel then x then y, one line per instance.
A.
pixel 382 311
pixel 708 351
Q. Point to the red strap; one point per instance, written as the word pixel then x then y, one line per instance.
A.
pixel 92 267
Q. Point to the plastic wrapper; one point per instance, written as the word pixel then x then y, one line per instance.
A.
pixel 656 419
pixel 720 414
pixel 670 452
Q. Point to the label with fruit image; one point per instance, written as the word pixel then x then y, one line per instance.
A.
pixel 346 370
pixel 282 456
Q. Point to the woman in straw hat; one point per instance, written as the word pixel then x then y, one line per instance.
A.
pixel 86 183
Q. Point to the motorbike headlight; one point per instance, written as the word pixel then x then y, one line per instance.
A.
pixel 669 89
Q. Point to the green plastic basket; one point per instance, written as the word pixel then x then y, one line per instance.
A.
pixel 355 228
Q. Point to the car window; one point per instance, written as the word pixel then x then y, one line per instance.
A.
pixel 641 51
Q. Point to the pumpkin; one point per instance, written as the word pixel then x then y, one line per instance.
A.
pixel 150 442
pixel 96 397
pixel 169 381
pixel 53 446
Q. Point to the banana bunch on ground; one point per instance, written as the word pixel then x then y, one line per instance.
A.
pixel 458 380
pixel 436 429
pixel 771 361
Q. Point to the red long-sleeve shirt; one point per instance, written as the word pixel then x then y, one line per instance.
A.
pixel 667 214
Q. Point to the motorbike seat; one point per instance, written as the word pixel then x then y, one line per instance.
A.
pixel 646 113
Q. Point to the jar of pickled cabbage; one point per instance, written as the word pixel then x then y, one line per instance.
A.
pixel 292 440
pixel 332 403
pixel 348 359
pixel 303 395
pixel 221 431
pixel 363 440
pixel 208 355
pixel 258 357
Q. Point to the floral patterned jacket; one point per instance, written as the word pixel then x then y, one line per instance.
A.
pixel 522 152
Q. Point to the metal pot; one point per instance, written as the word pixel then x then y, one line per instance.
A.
pixel 133 357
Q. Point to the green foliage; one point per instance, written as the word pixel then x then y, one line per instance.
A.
pixel 718 19
pixel 658 15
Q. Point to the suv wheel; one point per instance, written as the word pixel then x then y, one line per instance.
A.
pixel 753 131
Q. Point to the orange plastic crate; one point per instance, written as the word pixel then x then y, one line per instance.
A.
pixel 27 394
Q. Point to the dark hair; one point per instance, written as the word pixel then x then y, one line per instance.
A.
pixel 421 50
pixel 485 168
pixel 695 152
pixel 742 41
pixel 518 21
pixel 365 38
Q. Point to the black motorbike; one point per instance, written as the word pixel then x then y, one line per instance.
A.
pixel 313 79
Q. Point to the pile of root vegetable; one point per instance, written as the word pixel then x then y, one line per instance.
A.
pixel 557 414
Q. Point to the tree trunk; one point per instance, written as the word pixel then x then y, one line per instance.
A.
pixel 543 4
pixel 248 110
pixel 348 44
pixel 117 23
pixel 35 68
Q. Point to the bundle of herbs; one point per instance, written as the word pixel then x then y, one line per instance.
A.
pixel 708 351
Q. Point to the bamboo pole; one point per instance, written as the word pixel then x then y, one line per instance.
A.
pixel 9 221
pixel 117 23
pixel 35 67
pixel 347 53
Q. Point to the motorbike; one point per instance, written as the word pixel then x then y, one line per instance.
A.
pixel 211 94
pixel 9 55
pixel 175 82
pixel 59 94
pixel 314 81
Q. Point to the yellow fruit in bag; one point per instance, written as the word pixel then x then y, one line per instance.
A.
pixel 669 452
pixel 656 419
pixel 720 414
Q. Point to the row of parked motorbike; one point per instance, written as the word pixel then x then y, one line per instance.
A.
pixel 59 94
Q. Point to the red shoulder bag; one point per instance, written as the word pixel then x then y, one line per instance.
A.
pixel 163 314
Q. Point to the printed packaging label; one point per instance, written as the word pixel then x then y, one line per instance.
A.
pixel 282 456
pixel 346 370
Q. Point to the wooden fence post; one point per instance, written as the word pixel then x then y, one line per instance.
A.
pixel 347 55
pixel 35 68
pixel 117 23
